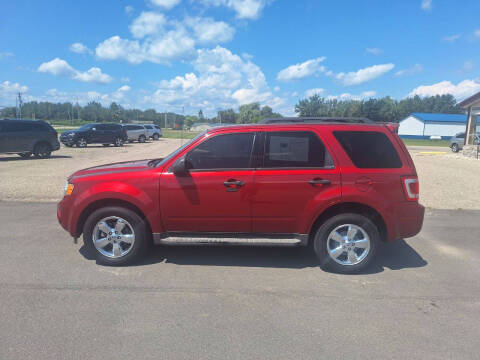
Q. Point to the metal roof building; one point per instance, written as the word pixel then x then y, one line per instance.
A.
pixel 425 125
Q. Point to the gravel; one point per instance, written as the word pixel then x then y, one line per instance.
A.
pixel 447 180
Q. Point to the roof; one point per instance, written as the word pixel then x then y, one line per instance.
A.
pixel 436 118
pixel 470 101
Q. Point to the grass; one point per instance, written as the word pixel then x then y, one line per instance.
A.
pixel 426 142
pixel 177 134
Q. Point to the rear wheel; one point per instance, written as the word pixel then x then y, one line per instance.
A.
pixel 142 138
pixel 106 145
pixel 118 142
pixel 455 148
pixel 115 235
pixel 42 151
pixel 81 143
pixel 25 155
pixel 346 243
pixel 155 136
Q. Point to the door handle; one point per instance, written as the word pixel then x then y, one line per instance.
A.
pixel 317 181
pixel 232 182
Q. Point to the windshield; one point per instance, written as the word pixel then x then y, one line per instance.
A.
pixel 180 149
pixel 86 127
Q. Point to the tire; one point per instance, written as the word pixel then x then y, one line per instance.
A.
pixel 130 141
pixel 118 142
pixel 125 252
pixel 106 145
pixel 455 148
pixel 155 137
pixel 42 151
pixel 362 249
pixel 142 139
pixel 81 143
pixel 68 145
pixel 25 155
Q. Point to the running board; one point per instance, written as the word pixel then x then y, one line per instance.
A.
pixel 177 238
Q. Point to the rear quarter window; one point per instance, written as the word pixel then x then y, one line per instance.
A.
pixel 369 149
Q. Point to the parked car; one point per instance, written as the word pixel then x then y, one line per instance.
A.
pixel 457 141
pixel 153 131
pixel 136 133
pixel 340 187
pixel 105 134
pixel 27 137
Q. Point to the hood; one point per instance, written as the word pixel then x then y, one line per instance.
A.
pixel 121 167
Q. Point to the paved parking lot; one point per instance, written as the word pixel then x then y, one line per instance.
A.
pixel 420 300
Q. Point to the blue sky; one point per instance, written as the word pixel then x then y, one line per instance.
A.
pixel 217 54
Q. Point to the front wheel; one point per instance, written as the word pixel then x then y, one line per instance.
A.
pixel 42 151
pixel 118 142
pixel 155 136
pixel 115 235
pixel 81 143
pixel 346 243
pixel 142 139
pixel 455 148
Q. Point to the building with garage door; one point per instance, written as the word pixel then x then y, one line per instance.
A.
pixel 426 126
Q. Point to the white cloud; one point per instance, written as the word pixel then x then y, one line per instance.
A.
pixel 221 80
pixel 468 66
pixel 245 9
pixel 128 9
pixel 415 69
pixel 160 40
pixel 302 70
pixel 426 5
pixel 60 67
pixel 348 96
pixel 374 51
pixel 312 92
pixel 460 91
pixel 5 54
pixel 125 79
pixel 276 88
pixel 451 38
pixel 148 23
pixel 166 4
pixel 207 30
pixel 79 48
pixel 476 33
pixel 9 90
pixel 363 75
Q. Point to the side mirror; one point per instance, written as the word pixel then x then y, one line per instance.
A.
pixel 94 129
pixel 180 167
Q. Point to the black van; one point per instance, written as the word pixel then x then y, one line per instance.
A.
pixel 105 134
pixel 27 137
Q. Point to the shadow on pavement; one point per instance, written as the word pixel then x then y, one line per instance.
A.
pixel 394 256
pixel 31 158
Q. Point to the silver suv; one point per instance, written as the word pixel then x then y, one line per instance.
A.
pixel 153 131
pixel 136 133
pixel 457 141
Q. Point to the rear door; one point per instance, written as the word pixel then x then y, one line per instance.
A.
pixel 296 176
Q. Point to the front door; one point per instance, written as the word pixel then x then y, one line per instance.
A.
pixel 296 177
pixel 215 195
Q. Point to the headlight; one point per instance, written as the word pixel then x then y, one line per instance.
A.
pixel 68 189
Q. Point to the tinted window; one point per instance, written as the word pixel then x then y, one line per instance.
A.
pixel 230 151
pixel 86 127
pixel 35 126
pixel 460 135
pixel 100 127
pixel 138 127
pixel 112 126
pixel 129 127
pixel 148 127
pixel 14 126
pixel 369 149
pixel 295 149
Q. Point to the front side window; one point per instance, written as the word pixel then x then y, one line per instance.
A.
pixel 369 149
pixel 229 151
pixel 295 149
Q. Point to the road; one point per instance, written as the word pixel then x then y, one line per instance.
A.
pixel 420 300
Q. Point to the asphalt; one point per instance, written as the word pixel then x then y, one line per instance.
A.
pixel 419 300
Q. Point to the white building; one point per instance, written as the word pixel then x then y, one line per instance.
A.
pixel 424 126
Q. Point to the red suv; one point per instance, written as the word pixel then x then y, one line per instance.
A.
pixel 339 186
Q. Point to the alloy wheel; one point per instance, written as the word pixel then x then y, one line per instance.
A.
pixel 348 244
pixel 113 237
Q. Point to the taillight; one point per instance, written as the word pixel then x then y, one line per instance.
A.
pixel 411 187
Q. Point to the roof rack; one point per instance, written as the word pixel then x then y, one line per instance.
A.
pixel 313 120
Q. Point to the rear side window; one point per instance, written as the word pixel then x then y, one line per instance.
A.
pixel 229 151
pixel 14 126
pixel 148 127
pixel 369 149
pixel 292 149
pixel 460 135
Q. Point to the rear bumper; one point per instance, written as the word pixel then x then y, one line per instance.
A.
pixel 410 217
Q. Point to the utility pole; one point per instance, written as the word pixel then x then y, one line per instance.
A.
pixel 19 104
pixel 165 113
